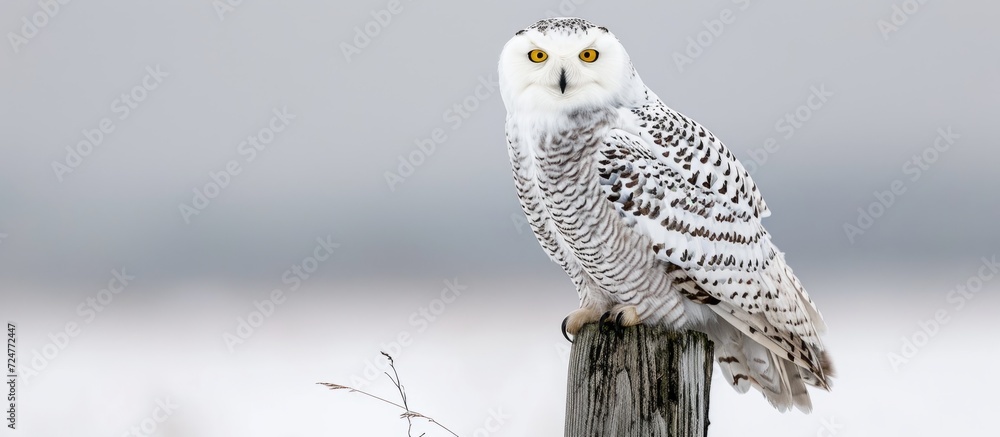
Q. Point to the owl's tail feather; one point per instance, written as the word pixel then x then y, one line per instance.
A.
pixel 729 354
pixel 745 363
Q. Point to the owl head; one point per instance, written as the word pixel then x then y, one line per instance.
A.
pixel 565 64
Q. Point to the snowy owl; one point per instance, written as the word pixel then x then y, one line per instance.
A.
pixel 652 217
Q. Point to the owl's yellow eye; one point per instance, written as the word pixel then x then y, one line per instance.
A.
pixel 589 55
pixel 537 56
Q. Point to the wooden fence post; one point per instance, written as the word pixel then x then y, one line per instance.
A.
pixel 639 381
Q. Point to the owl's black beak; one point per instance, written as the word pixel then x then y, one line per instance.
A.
pixel 562 81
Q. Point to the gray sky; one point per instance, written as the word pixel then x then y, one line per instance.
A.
pixel 356 114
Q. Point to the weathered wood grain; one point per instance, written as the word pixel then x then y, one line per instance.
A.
pixel 639 381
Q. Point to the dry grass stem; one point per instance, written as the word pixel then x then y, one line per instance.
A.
pixel 408 414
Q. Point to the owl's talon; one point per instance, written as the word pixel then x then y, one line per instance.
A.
pixel 624 316
pixel 564 330
pixel 604 317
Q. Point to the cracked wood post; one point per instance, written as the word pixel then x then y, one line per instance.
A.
pixel 638 381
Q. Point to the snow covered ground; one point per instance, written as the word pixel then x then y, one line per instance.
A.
pixel 482 364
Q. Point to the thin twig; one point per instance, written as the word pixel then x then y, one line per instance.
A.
pixel 343 387
pixel 402 394
pixel 407 413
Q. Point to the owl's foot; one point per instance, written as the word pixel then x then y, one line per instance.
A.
pixel 622 316
pixel 572 324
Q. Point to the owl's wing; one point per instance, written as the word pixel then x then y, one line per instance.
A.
pixel 695 154
pixel 678 185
